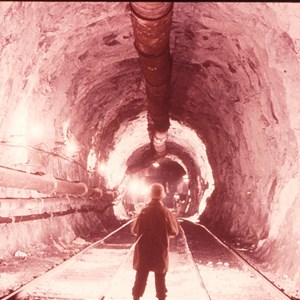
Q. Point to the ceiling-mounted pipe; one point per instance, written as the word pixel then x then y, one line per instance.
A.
pixel 151 22
pixel 44 184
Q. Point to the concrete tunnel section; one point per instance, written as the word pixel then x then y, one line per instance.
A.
pixel 73 101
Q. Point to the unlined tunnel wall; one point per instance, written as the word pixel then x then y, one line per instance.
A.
pixel 238 81
pixel 38 132
pixel 71 70
pixel 51 206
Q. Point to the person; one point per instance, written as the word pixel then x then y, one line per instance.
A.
pixel 153 227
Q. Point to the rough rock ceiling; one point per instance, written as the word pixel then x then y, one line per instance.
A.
pixel 235 84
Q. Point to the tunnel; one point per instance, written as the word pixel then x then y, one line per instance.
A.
pixel 80 121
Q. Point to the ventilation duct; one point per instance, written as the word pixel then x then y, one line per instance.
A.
pixel 44 184
pixel 151 23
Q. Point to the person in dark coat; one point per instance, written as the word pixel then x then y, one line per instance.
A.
pixel 153 227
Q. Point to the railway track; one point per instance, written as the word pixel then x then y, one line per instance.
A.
pixel 225 273
pixel 201 268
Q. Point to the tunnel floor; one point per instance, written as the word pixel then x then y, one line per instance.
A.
pixel 200 269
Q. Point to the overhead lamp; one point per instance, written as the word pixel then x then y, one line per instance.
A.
pixel 185 178
pixel 155 164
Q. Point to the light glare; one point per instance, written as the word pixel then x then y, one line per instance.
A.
pixel 138 187
pixel 155 164
pixel 185 178
pixel 36 131
pixel 71 147
pixel 92 160
pixel 102 168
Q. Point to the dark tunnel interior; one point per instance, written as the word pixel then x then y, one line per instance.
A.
pixel 99 99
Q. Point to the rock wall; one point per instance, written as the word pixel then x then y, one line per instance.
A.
pixel 72 68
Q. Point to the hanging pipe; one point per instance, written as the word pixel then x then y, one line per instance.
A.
pixel 44 184
pixel 151 22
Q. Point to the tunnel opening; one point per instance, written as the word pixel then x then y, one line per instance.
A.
pixel 167 172
pixel 133 156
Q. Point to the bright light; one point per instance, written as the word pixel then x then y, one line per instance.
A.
pixel 176 196
pixel 155 164
pixel 91 160
pixel 185 178
pixel 102 168
pixel 106 171
pixel 18 133
pixel 134 186
pixel 36 131
pixel 71 147
pixel 138 187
